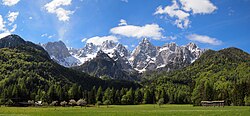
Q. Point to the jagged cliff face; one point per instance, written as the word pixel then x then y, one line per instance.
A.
pixel 148 57
pixel 59 53
pixel 145 57
pixel 104 66
pixel 180 56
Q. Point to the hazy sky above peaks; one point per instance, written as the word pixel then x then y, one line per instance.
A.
pixel 213 24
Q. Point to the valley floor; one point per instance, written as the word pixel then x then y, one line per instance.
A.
pixel 127 110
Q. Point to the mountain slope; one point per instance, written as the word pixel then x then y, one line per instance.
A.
pixel 59 53
pixel 103 65
pixel 27 72
pixel 145 57
pixel 216 75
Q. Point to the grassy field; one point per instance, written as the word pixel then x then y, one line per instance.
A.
pixel 127 110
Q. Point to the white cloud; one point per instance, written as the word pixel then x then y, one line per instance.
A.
pixel 204 39
pixel 198 6
pixel 50 36
pixel 153 31
pixel 99 40
pixel 182 23
pixel 47 35
pixel 6 29
pixel 2 35
pixel 44 35
pixel 172 38
pixel 84 39
pixel 122 22
pixel 182 10
pixel 13 28
pixel 12 16
pixel 55 7
pixel 2 26
pixel 10 2
pixel 62 14
pixel 173 11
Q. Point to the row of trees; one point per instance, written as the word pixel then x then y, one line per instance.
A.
pixel 95 95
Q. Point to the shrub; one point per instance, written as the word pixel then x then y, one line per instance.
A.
pixel 54 103
pixel 31 102
pixel 107 102
pixel 45 104
pixel 161 101
pixel 63 103
pixel 81 102
pixel 72 102
pixel 98 103
pixel 9 102
pixel 247 101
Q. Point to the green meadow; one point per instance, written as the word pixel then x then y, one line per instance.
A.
pixel 127 110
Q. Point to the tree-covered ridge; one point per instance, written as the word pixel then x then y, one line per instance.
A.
pixel 216 75
pixel 28 73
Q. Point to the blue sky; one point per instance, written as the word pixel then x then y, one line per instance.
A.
pixel 213 24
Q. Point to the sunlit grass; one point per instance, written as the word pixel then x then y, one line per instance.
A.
pixel 127 110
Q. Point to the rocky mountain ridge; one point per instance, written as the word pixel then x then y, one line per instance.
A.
pixel 145 57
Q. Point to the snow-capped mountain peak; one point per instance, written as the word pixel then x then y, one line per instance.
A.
pixel 108 45
pixel 60 53
pixel 144 57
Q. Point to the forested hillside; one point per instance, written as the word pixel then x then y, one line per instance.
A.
pixel 217 75
pixel 28 73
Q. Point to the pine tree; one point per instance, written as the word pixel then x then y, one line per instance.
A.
pixel 99 94
pixel 130 96
pixel 93 95
pixel 107 95
pixel 138 96
pixel 73 92
pixel 59 92
pixel 164 96
pixel 117 97
pixel 51 93
pixel 146 97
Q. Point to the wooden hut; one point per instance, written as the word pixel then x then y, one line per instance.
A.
pixel 213 103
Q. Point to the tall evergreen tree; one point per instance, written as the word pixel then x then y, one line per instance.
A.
pixel 146 97
pixel 130 96
pixel 51 93
pixel 99 94
pixel 107 95
pixel 138 96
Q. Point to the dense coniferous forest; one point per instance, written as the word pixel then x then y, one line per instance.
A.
pixel 28 73
pixel 216 75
